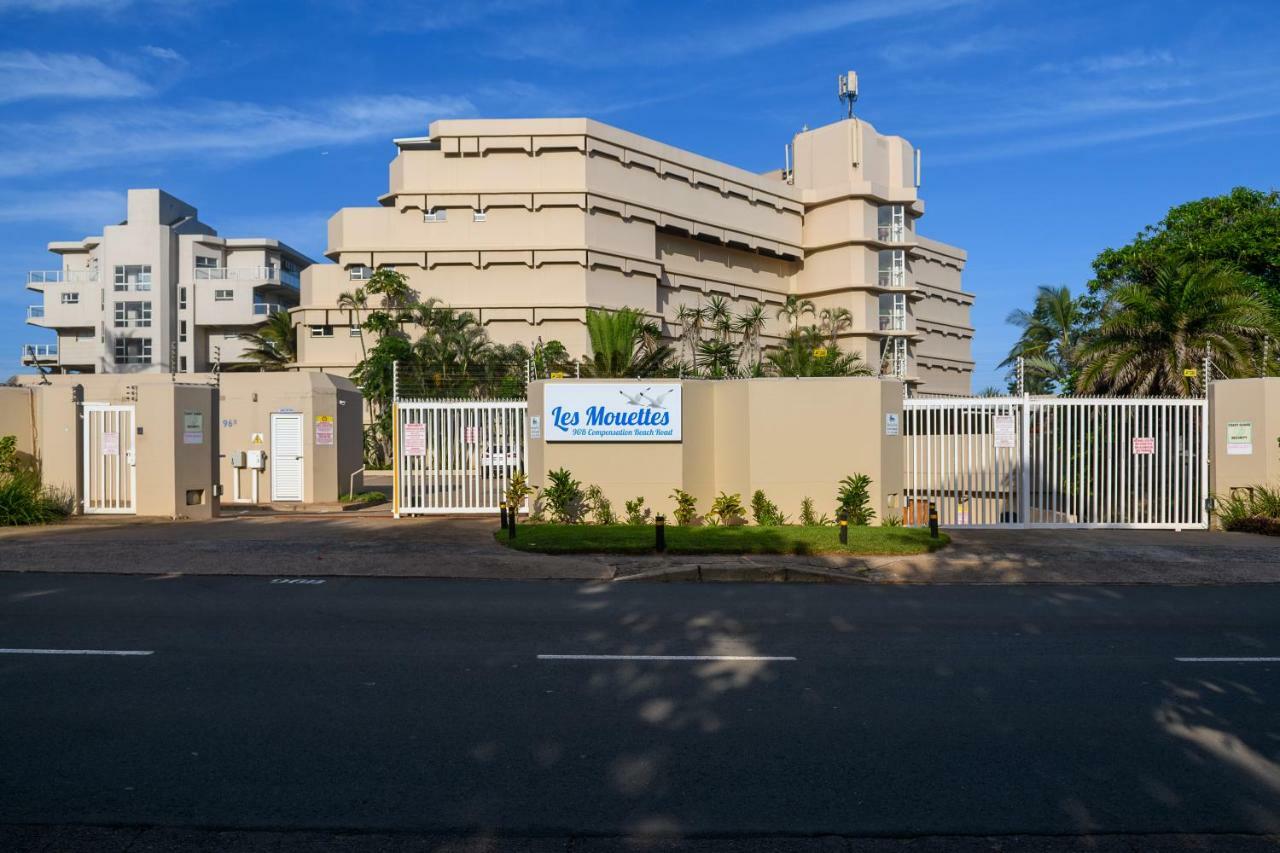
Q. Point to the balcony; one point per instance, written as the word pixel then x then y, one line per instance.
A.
pixel 266 309
pixel 35 312
pixel 37 279
pixel 42 353
pixel 268 275
pixel 892 278
pixel 895 321
pixel 891 233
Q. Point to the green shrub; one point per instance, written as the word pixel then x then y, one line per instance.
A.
pixel 1252 510
pixel 24 501
pixel 686 507
pixel 766 512
pixel 518 489
pixel 564 497
pixel 599 506
pixel 637 512
pixel 892 521
pixel 8 454
pixel 364 497
pixel 809 517
pixel 727 509
pixel 854 498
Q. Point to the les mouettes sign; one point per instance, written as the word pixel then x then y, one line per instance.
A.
pixel 611 411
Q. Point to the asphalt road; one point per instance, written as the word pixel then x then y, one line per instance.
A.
pixel 388 704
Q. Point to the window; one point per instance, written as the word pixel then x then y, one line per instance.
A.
pixel 182 364
pixel 70 298
pixel 182 331
pixel 435 214
pixel 479 216
pixel 133 350
pixel 182 299
pixel 321 331
pixel 891 223
pixel 360 273
pixel 132 315
pixel 354 331
pixel 207 268
pixel 892 268
pixel 138 275
pixel 224 295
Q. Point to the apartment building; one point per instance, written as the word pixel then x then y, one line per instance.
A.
pixel 161 291
pixel 528 223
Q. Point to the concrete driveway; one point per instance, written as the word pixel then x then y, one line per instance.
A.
pixel 374 544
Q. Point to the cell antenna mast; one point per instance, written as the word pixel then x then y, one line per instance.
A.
pixel 847 84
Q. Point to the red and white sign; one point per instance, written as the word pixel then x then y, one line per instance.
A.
pixel 111 444
pixel 1144 447
pixel 470 435
pixel 415 440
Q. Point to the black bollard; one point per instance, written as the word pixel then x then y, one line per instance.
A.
pixel 511 522
pixel 503 512
pixel 844 527
pixel 660 532
pixel 933 520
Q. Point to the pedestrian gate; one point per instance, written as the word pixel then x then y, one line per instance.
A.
pixel 456 456
pixel 108 460
pixel 1057 462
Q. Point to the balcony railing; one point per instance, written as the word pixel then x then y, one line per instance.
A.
pixel 266 309
pixel 893 278
pixel 893 322
pixel 39 351
pixel 59 276
pixel 35 312
pixel 891 233
pixel 247 274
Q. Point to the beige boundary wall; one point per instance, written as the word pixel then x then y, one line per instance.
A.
pixel 46 420
pixel 793 438
pixel 1255 402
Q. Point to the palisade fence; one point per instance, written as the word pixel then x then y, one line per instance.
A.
pixel 1057 462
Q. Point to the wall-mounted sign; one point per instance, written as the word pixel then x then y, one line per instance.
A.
pixel 415 440
pixel 1240 438
pixel 193 427
pixel 1005 430
pixel 612 411
pixel 1144 447
pixel 535 426
pixel 324 430
pixel 892 423
pixel 257 438
pixel 111 444
pixel 1190 372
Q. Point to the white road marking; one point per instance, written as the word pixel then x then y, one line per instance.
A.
pixel 1228 660
pixel 113 652
pixel 669 657
pixel 298 580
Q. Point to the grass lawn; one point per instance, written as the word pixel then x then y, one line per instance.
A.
pixel 789 539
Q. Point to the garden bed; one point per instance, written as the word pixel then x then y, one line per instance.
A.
pixel 744 539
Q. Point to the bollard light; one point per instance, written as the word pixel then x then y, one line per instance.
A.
pixel 502 511
pixel 933 520
pixel 511 522
pixel 660 532
pixel 844 527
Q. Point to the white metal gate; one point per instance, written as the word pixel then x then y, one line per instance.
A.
pixel 1057 462
pixel 457 456
pixel 109 460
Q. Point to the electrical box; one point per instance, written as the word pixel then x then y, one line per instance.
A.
pixel 237 459
pixel 256 459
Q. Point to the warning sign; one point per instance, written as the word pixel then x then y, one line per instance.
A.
pixel 1006 434
pixel 324 430
pixel 415 440
pixel 111 444
pixel 193 427
pixel 1144 447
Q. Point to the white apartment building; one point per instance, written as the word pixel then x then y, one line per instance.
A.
pixel 161 291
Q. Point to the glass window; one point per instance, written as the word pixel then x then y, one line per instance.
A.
pixel 70 298
pixel 182 331
pixel 205 262
pixel 224 295
pixel 182 299
pixel 182 364
pixel 360 273
pixel 132 315
pixel 479 216
pixel 133 350
pixel 892 267
pixel 891 223
pixel 322 331
pixel 435 214
pixel 354 331
pixel 138 275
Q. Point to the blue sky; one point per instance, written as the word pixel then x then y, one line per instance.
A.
pixel 1049 131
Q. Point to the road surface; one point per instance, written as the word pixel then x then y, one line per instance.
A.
pixel 694 709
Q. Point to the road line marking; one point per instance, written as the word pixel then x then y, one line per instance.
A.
pixel 670 657
pixel 114 652
pixel 1228 660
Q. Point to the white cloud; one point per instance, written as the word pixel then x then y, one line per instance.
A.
pixel 219 130
pixel 25 75
pixel 64 5
pixel 168 54
pixel 90 209
pixel 1131 60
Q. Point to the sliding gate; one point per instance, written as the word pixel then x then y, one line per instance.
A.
pixel 456 456
pixel 1057 462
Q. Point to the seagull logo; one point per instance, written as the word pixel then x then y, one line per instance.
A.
pixel 643 400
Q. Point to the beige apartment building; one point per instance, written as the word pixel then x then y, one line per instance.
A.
pixel 161 291
pixel 528 223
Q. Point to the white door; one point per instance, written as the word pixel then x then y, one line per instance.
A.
pixel 286 457
pixel 108 459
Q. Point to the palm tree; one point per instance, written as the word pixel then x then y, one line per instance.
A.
pixel 691 322
pixel 720 317
pixel 1050 341
pixel 1156 330
pixel 355 302
pixel 794 308
pixel 616 349
pixel 750 324
pixel 805 353
pixel 833 321
pixel 274 344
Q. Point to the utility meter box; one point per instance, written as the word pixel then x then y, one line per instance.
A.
pixel 256 459
pixel 237 459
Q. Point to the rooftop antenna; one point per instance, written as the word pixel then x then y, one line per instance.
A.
pixel 847 84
